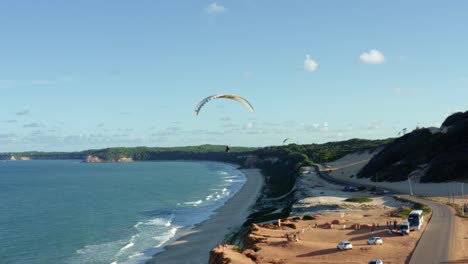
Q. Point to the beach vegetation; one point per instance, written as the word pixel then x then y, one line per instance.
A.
pixel 256 248
pixel 308 217
pixel 359 200
pixel 404 211
pixel 237 249
pixel 291 225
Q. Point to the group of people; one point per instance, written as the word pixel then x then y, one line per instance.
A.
pixel 292 237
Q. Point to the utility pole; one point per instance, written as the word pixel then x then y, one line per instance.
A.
pixel 410 188
pixel 463 201
pixel 376 175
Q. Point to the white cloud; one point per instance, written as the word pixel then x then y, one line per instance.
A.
pixel 22 112
pixel 325 126
pixel 215 8
pixel 33 125
pixel 372 57
pixel 249 125
pixel 309 64
pixel 247 74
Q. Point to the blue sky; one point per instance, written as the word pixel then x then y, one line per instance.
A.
pixel 76 75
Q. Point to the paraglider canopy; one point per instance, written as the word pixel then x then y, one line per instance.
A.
pixel 289 139
pixel 226 96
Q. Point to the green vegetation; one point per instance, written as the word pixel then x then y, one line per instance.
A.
pixel 261 216
pixel 443 156
pixel 291 225
pixel 237 249
pixel 308 217
pixel 404 211
pixel 282 163
pixel 359 200
pixel 256 248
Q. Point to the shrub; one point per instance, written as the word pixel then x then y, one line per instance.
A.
pixel 296 218
pixel 256 248
pixel 237 249
pixel 291 225
pixel 359 200
pixel 403 212
pixel 308 217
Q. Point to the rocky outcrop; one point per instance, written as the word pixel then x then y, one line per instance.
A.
pixel 92 159
pixel 12 157
pixel 217 256
pixel 125 159
pixel 96 159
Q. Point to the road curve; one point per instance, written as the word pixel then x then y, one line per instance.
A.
pixel 434 244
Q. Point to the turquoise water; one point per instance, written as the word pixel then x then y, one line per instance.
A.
pixel 74 212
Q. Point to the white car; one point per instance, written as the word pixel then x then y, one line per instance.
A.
pixel 375 241
pixel 344 245
pixel 376 261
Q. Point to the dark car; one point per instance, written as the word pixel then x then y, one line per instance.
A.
pixel 349 188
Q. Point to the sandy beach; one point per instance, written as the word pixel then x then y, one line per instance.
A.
pixel 194 246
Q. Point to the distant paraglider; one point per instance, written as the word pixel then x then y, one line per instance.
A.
pixel 290 140
pixel 226 96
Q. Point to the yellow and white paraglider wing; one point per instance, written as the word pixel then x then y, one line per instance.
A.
pixel 226 96
pixel 290 139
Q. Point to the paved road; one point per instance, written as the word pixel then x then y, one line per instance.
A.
pixel 434 245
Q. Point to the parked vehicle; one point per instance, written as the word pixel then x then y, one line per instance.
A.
pixel 405 228
pixel 376 261
pixel 349 188
pixel 416 219
pixel 344 245
pixel 375 241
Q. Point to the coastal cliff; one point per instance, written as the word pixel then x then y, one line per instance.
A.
pixel 96 159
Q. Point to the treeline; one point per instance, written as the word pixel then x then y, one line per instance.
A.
pixel 207 152
pixel 330 151
pixel 282 163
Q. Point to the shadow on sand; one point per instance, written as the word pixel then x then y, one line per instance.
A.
pixel 320 252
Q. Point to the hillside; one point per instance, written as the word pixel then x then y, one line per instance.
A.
pixel 432 154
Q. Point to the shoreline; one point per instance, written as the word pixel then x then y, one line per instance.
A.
pixel 194 246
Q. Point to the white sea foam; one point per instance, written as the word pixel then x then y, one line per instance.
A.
pixel 129 245
pixel 195 203
pixel 152 234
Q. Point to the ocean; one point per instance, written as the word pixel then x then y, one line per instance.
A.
pixel 67 211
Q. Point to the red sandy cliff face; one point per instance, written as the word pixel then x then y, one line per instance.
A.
pixel 228 254
pixel 217 256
